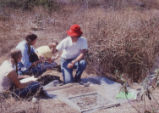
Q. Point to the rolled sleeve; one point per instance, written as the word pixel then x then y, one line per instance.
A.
pixel 84 45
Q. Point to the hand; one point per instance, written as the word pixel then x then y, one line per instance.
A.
pixel 41 58
pixel 55 57
pixel 70 65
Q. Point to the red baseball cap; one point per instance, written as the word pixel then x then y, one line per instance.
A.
pixel 74 31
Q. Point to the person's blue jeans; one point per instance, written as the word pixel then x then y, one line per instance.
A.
pixel 67 73
pixel 31 89
pixel 37 70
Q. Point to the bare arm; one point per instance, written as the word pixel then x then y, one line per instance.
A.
pixel 14 78
pixel 23 77
pixel 57 55
pixel 81 56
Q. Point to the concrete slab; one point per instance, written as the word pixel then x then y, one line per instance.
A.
pixel 99 94
pixel 90 102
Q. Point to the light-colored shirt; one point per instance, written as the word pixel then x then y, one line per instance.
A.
pixel 44 51
pixel 5 68
pixel 71 50
pixel 23 47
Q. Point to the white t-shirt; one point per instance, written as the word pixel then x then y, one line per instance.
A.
pixel 5 68
pixel 71 50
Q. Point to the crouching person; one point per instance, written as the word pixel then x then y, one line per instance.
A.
pixel 46 53
pixel 9 77
pixel 74 48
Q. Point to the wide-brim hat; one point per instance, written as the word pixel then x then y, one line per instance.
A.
pixel 74 31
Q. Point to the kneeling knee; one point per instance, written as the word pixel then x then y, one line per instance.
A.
pixel 83 63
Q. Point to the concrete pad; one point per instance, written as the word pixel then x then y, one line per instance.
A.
pixel 99 94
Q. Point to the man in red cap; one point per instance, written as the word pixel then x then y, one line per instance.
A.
pixel 74 48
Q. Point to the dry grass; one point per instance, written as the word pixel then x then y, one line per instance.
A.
pixel 124 42
pixel 11 105
pixel 121 41
pixel 122 36
pixel 144 106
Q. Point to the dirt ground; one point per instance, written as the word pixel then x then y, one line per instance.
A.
pixel 57 105
pixel 49 28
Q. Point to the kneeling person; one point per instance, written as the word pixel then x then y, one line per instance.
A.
pixel 74 48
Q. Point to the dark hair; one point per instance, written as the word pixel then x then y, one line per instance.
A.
pixel 31 37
